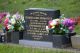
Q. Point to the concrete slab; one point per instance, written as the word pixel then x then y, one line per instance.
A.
pixel 36 43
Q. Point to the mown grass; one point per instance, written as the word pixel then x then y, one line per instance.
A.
pixel 69 8
pixel 77 29
pixel 7 48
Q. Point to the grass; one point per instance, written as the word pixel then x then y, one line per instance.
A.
pixel 77 29
pixel 69 8
pixel 7 48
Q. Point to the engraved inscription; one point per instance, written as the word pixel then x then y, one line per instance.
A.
pixel 37 25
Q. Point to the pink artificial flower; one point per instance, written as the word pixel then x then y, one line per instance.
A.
pixel 2 15
pixel 71 28
pixel 73 20
pixel 6 22
pixel 57 21
pixel 52 22
pixel 49 21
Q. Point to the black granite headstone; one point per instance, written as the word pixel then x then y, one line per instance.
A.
pixel 36 21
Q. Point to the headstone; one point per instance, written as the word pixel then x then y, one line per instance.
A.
pixel 36 21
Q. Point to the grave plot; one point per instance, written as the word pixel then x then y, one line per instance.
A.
pixel 36 20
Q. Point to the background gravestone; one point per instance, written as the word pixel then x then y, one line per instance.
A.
pixel 36 21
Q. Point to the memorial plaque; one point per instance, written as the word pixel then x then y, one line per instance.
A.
pixel 36 21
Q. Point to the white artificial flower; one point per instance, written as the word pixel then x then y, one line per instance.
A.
pixel 53 26
pixel 47 29
pixel 61 28
pixel 9 26
pixel 53 22
pixel 12 21
pixel 22 18
pixel 57 20
pixel 14 16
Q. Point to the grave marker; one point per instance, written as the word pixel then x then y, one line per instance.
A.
pixel 36 21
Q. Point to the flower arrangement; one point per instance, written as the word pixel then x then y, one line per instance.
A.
pixel 14 22
pixel 2 15
pixel 61 25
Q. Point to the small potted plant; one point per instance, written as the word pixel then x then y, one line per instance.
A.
pixel 61 29
pixel 14 25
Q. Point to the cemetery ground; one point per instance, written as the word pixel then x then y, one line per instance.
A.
pixel 13 48
pixel 69 8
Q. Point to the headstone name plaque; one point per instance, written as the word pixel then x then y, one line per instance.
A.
pixel 36 21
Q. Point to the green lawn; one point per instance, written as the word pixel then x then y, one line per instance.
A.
pixel 69 8
pixel 77 29
pixel 7 48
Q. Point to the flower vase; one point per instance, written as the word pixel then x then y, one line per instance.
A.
pixel 15 37
pixel 21 35
pixel 12 37
pixel 60 41
pixel 8 37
